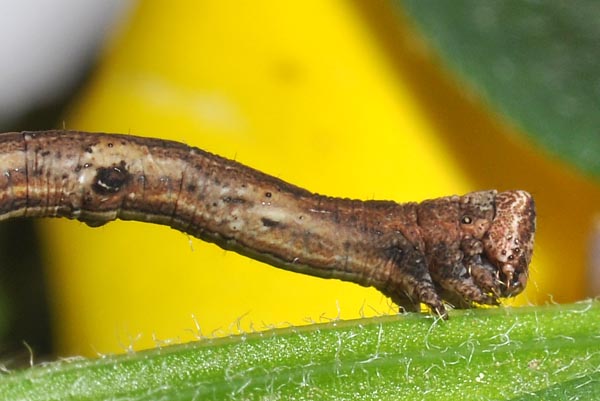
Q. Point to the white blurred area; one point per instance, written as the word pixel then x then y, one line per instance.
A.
pixel 45 45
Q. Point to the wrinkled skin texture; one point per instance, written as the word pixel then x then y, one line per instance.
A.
pixel 464 250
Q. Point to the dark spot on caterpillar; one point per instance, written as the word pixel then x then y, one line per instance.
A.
pixel 268 194
pixel 88 149
pixel 191 187
pixel 45 153
pixel 110 180
pixel 466 220
pixel 110 145
pixel 394 253
pixel 229 199
pixel 269 223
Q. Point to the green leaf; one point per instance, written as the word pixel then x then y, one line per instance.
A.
pixel 548 352
pixel 535 61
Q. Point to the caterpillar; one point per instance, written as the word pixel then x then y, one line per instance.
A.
pixel 462 250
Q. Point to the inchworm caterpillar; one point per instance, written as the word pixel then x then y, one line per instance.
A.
pixel 462 249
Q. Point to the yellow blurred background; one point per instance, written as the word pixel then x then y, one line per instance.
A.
pixel 341 98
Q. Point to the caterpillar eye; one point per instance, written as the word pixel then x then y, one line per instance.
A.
pixel 466 220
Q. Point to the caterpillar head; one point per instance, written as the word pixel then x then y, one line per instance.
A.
pixel 508 243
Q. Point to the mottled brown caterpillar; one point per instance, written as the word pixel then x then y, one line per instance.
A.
pixel 466 250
